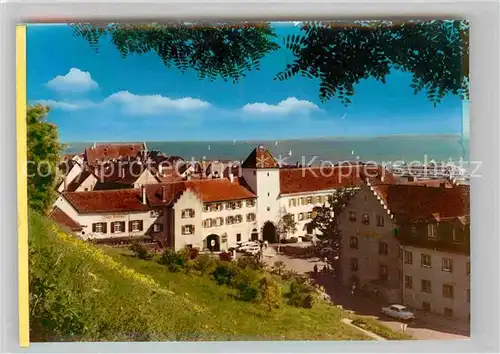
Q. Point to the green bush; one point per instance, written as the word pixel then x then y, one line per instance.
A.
pixel 270 292
pixel 307 238
pixel 250 262
pixel 301 294
pixel 224 273
pixel 139 250
pixel 205 264
pixel 247 282
pixel 278 268
pixel 170 259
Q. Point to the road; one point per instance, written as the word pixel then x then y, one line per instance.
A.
pixel 425 327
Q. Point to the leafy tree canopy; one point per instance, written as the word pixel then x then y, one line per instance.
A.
pixel 43 157
pixel 338 54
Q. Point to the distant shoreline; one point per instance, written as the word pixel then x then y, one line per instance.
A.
pixel 395 136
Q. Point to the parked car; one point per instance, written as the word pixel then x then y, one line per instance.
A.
pixel 399 312
pixel 252 250
pixel 246 245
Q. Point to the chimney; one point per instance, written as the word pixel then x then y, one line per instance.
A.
pixel 231 178
pixel 160 169
pixel 143 189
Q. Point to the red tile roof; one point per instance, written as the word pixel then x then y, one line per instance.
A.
pixel 434 183
pixel 208 190
pixel 260 157
pixel 78 180
pixel 310 179
pixel 120 200
pixel 63 219
pixel 419 203
pixel 102 152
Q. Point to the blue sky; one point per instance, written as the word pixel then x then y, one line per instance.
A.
pixel 103 97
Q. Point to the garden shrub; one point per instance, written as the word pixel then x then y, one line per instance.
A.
pixel 290 240
pixel 247 282
pixel 250 262
pixel 278 268
pixel 270 292
pixel 170 259
pixel 307 238
pixel 224 273
pixel 301 294
pixel 205 264
pixel 139 250
pixel 193 253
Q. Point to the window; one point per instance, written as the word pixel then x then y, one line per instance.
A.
pixel 230 205
pixel 135 226
pixel 206 207
pixel 238 219
pixel 302 201
pixel 300 216
pixel 250 202
pixel 268 194
pixel 250 217
pixel 354 264
pixel 187 229
pixel 238 237
pixel 426 306
pixel 154 213
pixel 352 216
pixel 447 265
pixel 408 282
pixel 413 230
pixel 268 208
pixel 229 220
pixel 215 207
pixel 380 220
pixel 319 199
pixel 99 227
pixel 448 291
pixel 207 223
pixel 117 226
pixel 309 214
pixel 426 286
pixel 468 295
pixel 448 312
pixel 237 205
pixel 268 174
pixel 408 257
pixel 383 272
pixel 157 227
pixel 86 189
pixel 432 231
pixel 353 242
pixel 425 260
pixel 467 268
pixel 383 248
pixel 187 213
pixel 309 200
pixel 366 219
pixel 218 221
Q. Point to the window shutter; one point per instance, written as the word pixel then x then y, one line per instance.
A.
pixel 105 227
pixel 123 226
pixel 94 227
pixel 140 225
pixel 112 227
pixel 130 226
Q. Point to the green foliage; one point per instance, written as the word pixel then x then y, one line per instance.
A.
pixel 286 225
pixel 247 282
pixel 224 273
pixel 205 264
pixel 250 262
pixel 301 294
pixel 378 328
pixel 279 268
pixel 139 250
pixel 43 157
pixel 171 259
pixel 271 293
pixel 220 50
pixel 341 54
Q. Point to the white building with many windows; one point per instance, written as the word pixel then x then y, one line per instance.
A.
pixel 214 213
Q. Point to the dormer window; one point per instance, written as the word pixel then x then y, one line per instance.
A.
pixel 432 231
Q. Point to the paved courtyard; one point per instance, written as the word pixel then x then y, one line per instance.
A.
pixel 428 327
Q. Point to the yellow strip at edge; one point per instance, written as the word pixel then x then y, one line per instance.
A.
pixel 22 186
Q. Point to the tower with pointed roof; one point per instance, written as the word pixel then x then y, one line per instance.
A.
pixel 261 172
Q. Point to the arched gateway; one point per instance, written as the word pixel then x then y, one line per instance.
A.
pixel 269 233
pixel 213 243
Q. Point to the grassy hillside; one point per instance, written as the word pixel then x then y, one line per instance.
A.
pixel 81 292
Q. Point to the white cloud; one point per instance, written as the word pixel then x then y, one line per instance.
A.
pixel 285 107
pixel 132 104
pixel 67 106
pixel 151 104
pixel 74 81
